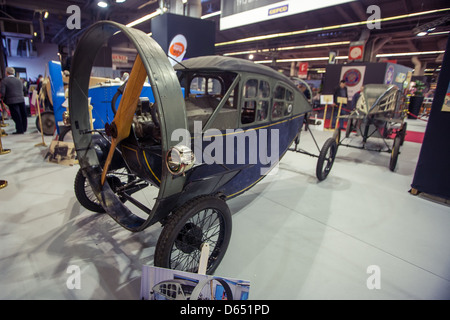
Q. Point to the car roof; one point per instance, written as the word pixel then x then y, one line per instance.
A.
pixel 220 63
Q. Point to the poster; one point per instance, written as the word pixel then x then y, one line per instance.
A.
pixel 389 78
pixel 446 104
pixel 354 78
pixel 166 284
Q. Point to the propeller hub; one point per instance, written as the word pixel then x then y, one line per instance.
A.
pixel 113 130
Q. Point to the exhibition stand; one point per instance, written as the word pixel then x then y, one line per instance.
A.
pixel 432 175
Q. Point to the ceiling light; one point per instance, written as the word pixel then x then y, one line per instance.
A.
pixel 120 1
pixel 400 54
pixel 209 15
pixel 421 34
pixel 339 26
pixel 306 46
pixel 382 55
pixel 145 18
pixel 102 4
pixel 184 1
pixel 438 33
pixel 251 56
pixel 302 59
pixel 46 15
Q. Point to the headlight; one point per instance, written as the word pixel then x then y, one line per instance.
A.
pixel 180 159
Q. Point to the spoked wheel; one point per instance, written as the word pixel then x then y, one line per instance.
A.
pixel 48 123
pixel 395 151
pixel 65 134
pixel 326 159
pixel 403 132
pixel 203 219
pixel 86 196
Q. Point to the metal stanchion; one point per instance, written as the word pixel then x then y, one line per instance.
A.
pixel 341 101
pixel 38 102
pixel 3 124
pixel 3 183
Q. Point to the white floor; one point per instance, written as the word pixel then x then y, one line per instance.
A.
pixel 293 237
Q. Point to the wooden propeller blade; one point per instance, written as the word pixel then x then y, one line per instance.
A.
pixel 127 107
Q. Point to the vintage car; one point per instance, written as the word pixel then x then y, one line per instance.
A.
pixel 229 129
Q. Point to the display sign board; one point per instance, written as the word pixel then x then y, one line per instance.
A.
pixel 119 58
pixel 398 75
pixel 166 284
pixel 236 13
pixel 446 104
pixel 326 99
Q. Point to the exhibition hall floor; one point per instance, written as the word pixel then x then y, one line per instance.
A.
pixel 293 237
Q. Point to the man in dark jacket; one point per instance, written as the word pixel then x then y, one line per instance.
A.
pixel 12 91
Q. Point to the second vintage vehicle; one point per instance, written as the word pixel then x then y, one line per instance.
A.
pixel 380 113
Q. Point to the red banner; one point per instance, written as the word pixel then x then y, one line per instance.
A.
pixel 303 70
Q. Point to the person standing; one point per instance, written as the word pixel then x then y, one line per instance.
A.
pixel 340 91
pixel 12 91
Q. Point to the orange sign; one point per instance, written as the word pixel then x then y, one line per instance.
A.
pixel 176 49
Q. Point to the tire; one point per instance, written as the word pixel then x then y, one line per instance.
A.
pixel 180 241
pixel 395 152
pixel 48 123
pixel 85 195
pixel 403 132
pixel 65 134
pixel 326 159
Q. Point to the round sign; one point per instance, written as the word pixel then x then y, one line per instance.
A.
pixel 355 53
pixel 177 48
pixel 352 77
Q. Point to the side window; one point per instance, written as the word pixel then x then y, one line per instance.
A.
pixel 256 101
pixel 283 100
pixel 251 88
pixel 203 86
pixel 248 110
pixel 264 101
pixel 198 85
pixel 214 86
